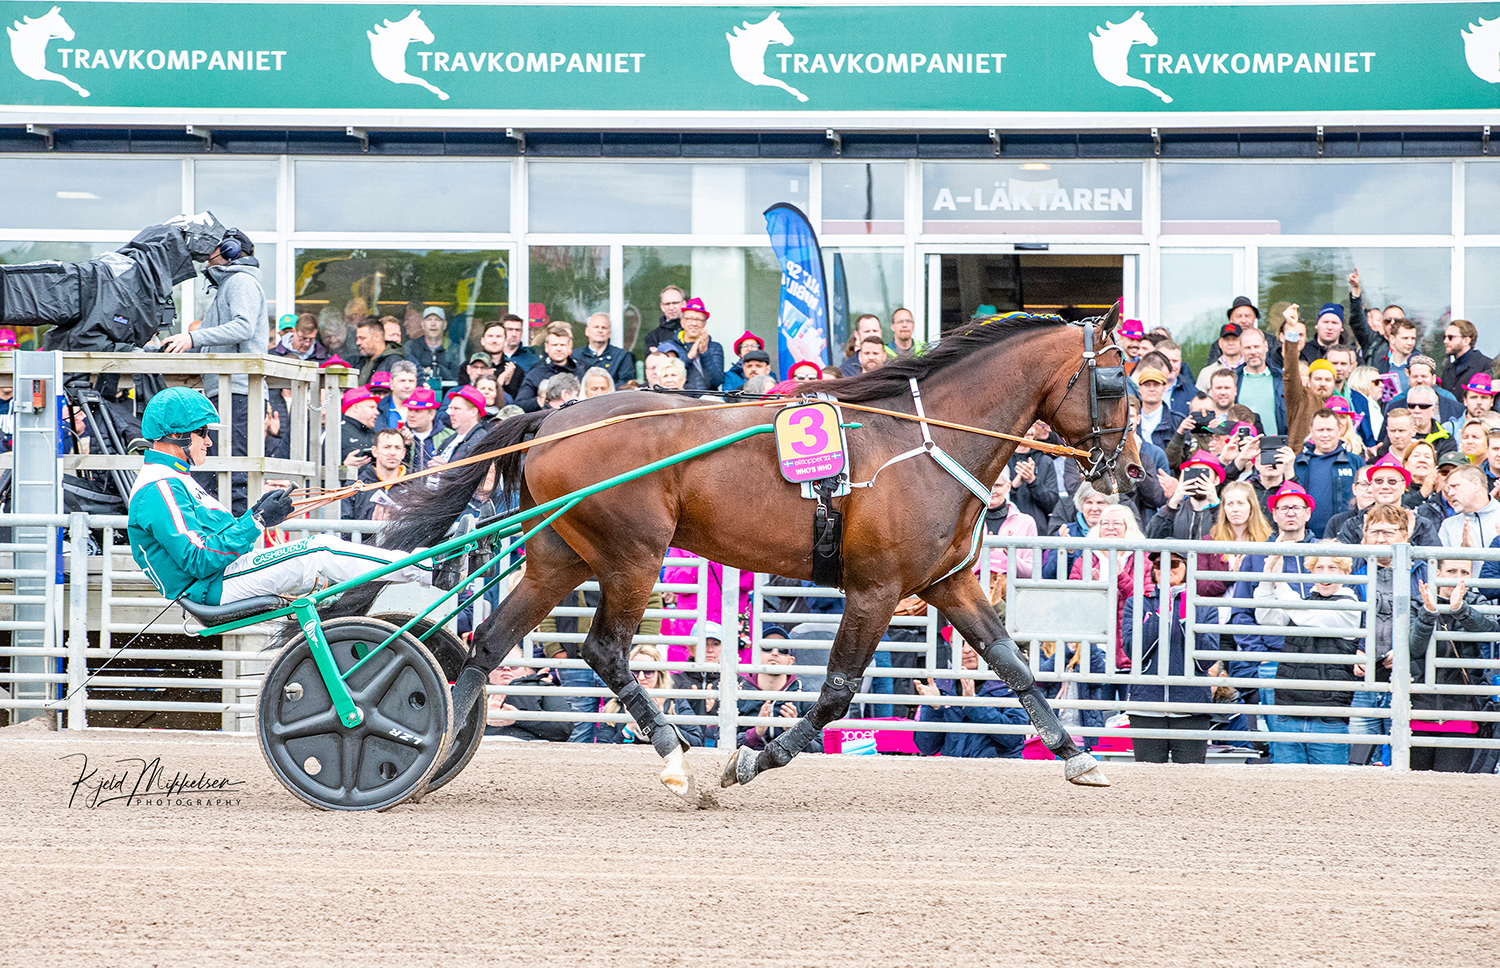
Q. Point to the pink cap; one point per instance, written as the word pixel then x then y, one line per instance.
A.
pixel 1478 383
pixel 380 381
pixel 1293 489
pixel 7 339
pixel 816 367
pixel 422 399
pixel 1202 458
pixel 472 395
pixel 1390 462
pixel 1341 405
pixel 355 395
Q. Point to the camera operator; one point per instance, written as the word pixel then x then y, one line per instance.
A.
pixel 235 322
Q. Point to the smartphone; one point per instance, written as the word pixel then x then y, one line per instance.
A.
pixel 1245 432
pixel 1202 421
pixel 1195 473
pixel 1269 445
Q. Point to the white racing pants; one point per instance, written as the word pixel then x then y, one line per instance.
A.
pixel 307 565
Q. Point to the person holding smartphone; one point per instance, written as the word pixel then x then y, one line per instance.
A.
pixel 1197 487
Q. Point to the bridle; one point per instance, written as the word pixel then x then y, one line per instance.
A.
pixel 1106 383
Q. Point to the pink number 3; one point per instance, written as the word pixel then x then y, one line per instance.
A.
pixel 813 431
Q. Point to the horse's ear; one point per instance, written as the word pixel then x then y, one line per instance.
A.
pixel 775 15
pixel 54 10
pixel 1112 318
pixel 1136 16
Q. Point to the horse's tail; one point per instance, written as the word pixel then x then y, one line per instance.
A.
pixel 424 514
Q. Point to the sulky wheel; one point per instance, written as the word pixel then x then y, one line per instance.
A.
pixel 451 655
pixel 408 714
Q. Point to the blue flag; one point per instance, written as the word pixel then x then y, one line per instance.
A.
pixel 840 318
pixel 803 316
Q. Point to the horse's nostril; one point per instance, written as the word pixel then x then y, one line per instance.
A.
pixel 1134 472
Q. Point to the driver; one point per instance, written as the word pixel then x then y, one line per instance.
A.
pixel 189 544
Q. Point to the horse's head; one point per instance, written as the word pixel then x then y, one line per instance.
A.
pixel 775 31
pixel 412 27
pixel 1132 31
pixel 50 23
pixel 1091 408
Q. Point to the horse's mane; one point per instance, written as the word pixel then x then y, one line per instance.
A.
pixel 891 379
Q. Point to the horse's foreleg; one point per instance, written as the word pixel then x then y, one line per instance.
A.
pixel 866 616
pixel 622 601
pixel 960 598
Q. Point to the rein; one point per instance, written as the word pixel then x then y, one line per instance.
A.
pixel 311 499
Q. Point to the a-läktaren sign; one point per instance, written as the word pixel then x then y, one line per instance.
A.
pixel 285 59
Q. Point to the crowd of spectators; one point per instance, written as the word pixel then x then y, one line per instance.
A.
pixel 1338 429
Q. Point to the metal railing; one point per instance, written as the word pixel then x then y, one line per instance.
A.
pixel 109 600
pixel 315 457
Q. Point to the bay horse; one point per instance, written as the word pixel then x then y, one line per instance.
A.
pixel 911 532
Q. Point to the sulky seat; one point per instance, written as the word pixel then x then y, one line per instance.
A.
pixel 211 615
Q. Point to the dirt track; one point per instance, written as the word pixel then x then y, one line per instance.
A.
pixel 546 855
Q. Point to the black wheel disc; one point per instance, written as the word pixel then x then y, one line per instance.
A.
pixel 408 716
pixel 451 655
pixel 445 647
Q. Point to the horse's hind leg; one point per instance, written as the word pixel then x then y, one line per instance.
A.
pixel 867 613
pixel 960 598
pixel 623 593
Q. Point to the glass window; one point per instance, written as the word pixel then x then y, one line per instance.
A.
pixel 569 283
pixel 999 198
pixel 1482 197
pixel 1197 289
pixel 740 286
pixel 342 286
pixel 1419 280
pixel 241 193
pixel 873 280
pixel 659 197
pixel 403 196
pixel 91 193
pixel 1482 298
pixel 864 198
pixel 1321 198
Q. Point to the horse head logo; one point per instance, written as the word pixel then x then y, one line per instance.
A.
pixel 747 51
pixel 1482 49
pixel 1112 45
pixel 388 49
pixel 28 46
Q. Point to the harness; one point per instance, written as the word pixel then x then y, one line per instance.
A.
pixel 1105 383
pixel 946 462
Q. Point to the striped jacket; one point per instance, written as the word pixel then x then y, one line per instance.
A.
pixel 180 535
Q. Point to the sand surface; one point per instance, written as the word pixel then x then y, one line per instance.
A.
pixel 565 855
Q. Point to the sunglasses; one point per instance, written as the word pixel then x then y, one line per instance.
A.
pixel 1420 406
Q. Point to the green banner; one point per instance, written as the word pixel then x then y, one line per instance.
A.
pixel 622 60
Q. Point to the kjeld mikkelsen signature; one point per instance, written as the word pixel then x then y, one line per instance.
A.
pixel 136 781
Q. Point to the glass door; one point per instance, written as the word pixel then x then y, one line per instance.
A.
pixel 962 284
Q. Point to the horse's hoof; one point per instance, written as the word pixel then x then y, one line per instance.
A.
pixel 1083 769
pixel 740 768
pixel 679 779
